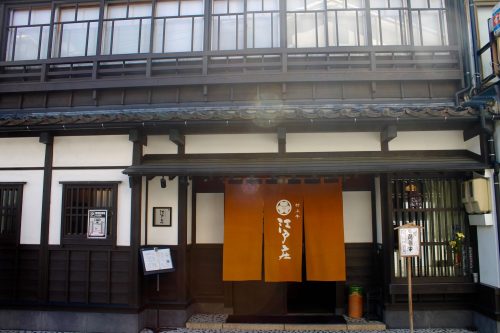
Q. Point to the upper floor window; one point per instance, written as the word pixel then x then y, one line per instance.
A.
pixel 163 26
pixel 10 212
pixel 312 23
pixel 231 18
pixel 178 26
pixel 127 28
pixel 28 34
pixel 75 31
pixel 408 22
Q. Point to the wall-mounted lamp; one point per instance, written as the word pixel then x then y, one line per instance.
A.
pixel 163 182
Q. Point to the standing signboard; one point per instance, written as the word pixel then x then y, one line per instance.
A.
pixel 409 246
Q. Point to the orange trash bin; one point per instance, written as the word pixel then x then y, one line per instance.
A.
pixel 355 301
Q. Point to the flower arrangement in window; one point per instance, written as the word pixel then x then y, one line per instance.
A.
pixel 456 245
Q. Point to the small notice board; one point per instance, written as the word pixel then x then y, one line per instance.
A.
pixel 97 224
pixel 156 260
pixel 409 240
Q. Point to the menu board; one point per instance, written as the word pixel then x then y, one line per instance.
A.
pixel 156 260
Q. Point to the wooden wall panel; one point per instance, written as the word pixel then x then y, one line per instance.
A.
pixel 89 276
pixel 206 273
pixel 19 273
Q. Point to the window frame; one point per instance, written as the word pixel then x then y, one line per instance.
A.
pixel 15 238
pixel 112 215
pixel 462 274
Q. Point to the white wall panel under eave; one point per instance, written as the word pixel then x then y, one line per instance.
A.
pixel 160 144
pixel 231 143
pixel 124 200
pixel 84 151
pixel 332 142
pixel 210 218
pixel 474 145
pixel 357 216
pixel 21 152
pixel 31 214
pixel 163 197
pixel 428 140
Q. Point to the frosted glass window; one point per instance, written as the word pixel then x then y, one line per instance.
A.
pixel 122 33
pixel 192 7
pixel 295 5
pixel 28 34
pixel 315 5
pixel 390 27
pixel 73 38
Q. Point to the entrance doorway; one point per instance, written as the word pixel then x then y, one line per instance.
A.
pixel 311 297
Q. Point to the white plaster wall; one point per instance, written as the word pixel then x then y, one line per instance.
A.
pixel 487 240
pixel 357 217
pixel 21 152
pixel 82 151
pixel 378 209
pixel 474 145
pixel 124 200
pixel 231 143
pixel 332 142
pixel 189 212
pixel 31 215
pixel 210 218
pixel 160 144
pixel 428 140
pixel 163 197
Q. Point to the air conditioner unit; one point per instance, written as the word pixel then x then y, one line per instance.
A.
pixel 476 196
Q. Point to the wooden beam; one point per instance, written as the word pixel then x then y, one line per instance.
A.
pixel 475 130
pixel 281 132
pixel 388 133
pixel 176 137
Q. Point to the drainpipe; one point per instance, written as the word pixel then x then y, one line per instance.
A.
pixel 462 13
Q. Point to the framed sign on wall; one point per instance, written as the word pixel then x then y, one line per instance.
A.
pixel 162 216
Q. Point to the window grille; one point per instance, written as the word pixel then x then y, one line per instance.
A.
pixel 435 205
pixel 77 200
pixel 10 212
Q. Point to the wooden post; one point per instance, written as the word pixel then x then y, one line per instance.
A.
pixel 410 297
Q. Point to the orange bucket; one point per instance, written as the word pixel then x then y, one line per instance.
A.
pixel 355 301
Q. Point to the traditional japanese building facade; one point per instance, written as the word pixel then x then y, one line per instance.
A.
pixel 173 116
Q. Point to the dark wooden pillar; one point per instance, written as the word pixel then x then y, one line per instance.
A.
pixel 138 140
pixel 43 287
pixel 182 268
pixel 387 232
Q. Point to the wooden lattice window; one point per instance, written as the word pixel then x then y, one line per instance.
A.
pixel 78 199
pixel 435 205
pixel 10 212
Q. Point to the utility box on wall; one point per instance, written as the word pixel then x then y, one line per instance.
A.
pixel 477 201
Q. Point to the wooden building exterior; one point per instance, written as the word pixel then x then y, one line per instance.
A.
pixel 127 106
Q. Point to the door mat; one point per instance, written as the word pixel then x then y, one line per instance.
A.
pixel 289 319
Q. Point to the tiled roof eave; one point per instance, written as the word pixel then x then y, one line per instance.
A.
pixel 236 113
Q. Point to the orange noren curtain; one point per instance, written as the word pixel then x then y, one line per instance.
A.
pixel 324 232
pixel 243 218
pixel 283 216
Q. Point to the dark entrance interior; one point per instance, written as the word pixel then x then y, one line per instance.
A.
pixel 311 297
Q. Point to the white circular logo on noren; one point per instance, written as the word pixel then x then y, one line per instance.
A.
pixel 283 207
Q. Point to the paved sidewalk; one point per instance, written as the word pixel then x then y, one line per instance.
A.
pixel 429 330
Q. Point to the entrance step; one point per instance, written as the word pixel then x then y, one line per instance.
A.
pixel 219 322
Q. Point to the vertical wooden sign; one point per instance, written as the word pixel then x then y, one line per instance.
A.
pixel 409 246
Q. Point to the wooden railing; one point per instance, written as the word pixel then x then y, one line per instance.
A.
pixel 339 64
